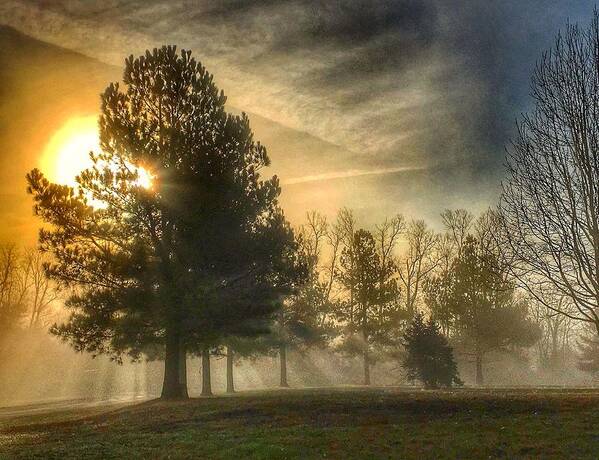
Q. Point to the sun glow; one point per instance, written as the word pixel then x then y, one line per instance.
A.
pixel 67 153
pixel 144 178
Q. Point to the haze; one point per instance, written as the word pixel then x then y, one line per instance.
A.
pixel 383 108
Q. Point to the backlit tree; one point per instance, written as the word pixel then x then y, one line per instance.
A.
pixel 371 312
pixel 201 251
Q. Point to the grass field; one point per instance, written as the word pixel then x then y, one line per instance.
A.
pixel 333 423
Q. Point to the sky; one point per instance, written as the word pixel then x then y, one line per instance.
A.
pixel 386 106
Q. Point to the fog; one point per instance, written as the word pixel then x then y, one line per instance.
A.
pixel 37 367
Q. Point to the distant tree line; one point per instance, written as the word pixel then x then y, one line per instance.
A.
pixel 28 299
pixel 371 286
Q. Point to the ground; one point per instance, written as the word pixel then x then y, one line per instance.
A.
pixel 325 423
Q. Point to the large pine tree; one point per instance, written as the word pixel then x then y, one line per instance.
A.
pixel 202 252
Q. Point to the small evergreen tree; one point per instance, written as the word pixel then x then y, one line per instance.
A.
pixel 429 355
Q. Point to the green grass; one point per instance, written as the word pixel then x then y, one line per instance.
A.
pixel 335 423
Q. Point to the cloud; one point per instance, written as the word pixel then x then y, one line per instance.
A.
pixel 348 174
pixel 395 84
pixel 337 70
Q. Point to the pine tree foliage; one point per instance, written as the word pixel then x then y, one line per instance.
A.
pixel 478 306
pixel 489 314
pixel 204 251
pixel 373 289
pixel 429 357
pixel 371 311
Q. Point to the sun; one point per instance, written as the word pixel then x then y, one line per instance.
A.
pixel 144 178
pixel 67 152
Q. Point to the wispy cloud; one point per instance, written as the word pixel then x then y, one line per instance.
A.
pixel 349 173
pixel 406 80
pixel 392 83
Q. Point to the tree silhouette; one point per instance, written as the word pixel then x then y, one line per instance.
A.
pixel 588 351
pixel 14 288
pixel 484 311
pixel 554 346
pixel 550 200
pixel 371 313
pixel 236 348
pixel 417 264
pixel 306 319
pixel 429 357
pixel 204 251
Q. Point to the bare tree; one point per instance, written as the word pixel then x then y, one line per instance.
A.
pixel 458 224
pixel 307 319
pixel 42 293
pixel 312 234
pixel 556 332
pixel 334 238
pixel 14 286
pixel 345 228
pixel 387 235
pixel 320 242
pixel 419 260
pixel 550 201
pixel 437 286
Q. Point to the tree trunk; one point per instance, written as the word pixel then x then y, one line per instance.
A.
pixel 554 347
pixel 283 358
pixel 206 380
pixel 230 383
pixel 479 371
pixel 409 306
pixel 366 367
pixel 175 368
